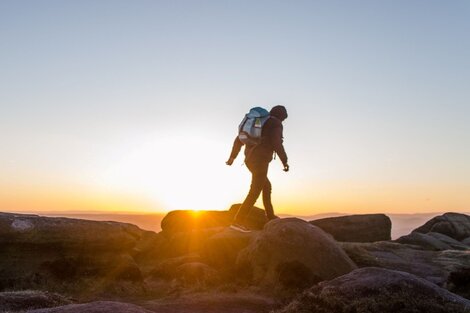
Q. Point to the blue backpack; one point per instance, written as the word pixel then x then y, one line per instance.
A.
pixel 249 130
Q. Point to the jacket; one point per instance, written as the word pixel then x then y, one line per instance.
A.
pixel 271 141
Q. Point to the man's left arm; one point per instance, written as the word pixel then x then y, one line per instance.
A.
pixel 277 141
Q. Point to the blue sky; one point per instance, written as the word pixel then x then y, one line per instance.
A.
pixel 377 93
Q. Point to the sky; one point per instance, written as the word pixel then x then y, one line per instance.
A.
pixel 133 105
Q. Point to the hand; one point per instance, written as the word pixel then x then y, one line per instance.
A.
pixel 229 161
pixel 286 167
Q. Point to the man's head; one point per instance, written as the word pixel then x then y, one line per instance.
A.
pixel 279 112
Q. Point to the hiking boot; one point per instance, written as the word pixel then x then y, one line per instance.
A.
pixel 240 228
pixel 274 217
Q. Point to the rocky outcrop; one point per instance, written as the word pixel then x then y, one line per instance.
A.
pixel 454 225
pixel 29 300
pixel 357 228
pixel 96 307
pixel 371 290
pixel 43 252
pixel 99 260
pixel 293 252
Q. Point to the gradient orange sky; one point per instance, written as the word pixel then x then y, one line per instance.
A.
pixel 133 106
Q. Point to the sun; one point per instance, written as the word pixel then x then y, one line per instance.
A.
pixel 177 171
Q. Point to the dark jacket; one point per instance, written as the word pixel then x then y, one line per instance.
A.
pixel 271 141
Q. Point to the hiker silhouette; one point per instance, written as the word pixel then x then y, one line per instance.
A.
pixel 257 158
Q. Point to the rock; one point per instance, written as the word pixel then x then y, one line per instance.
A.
pixel 293 250
pixel 242 301
pixel 454 244
pixel 183 221
pixel 96 307
pixel 66 233
pixel 395 256
pixel 195 273
pixel 151 249
pixel 466 241
pixel 201 228
pixel 221 250
pixel 30 300
pixel 168 268
pixel 58 253
pixel 371 290
pixel 256 218
pixel 434 266
pixel 357 228
pixel 180 244
pixel 188 221
pixel 458 282
pixel 454 225
pixel 425 240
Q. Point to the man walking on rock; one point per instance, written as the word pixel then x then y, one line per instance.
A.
pixel 257 159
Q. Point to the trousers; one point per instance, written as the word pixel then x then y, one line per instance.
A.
pixel 259 183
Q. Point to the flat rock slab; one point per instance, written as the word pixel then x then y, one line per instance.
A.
pixel 96 307
pixel 13 301
pixel 434 266
pixel 357 228
pixel 243 302
pixel 432 241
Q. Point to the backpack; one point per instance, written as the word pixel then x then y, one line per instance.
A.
pixel 249 130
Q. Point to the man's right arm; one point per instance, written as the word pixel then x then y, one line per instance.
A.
pixel 237 145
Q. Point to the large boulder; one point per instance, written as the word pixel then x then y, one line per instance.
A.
pixel 357 228
pixel 294 253
pixel 57 253
pixel 66 233
pixel 183 221
pixel 221 250
pixel 454 225
pixel 255 219
pixel 371 290
pixel 188 221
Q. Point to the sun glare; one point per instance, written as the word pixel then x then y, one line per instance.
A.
pixel 177 171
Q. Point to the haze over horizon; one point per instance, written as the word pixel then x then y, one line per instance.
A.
pixel 133 106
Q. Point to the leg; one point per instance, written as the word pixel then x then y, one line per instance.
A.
pixel 258 180
pixel 268 206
